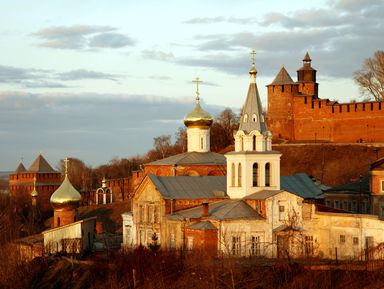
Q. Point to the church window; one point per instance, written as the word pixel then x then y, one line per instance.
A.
pixel 355 240
pixel 236 246
pixel 254 142
pixel 267 174
pixel 353 207
pixel 342 239
pixel 363 207
pixel 333 109
pixel 142 213
pixel 255 173
pixel 345 206
pixel 308 245
pixel 239 175
pixel 245 119
pixel 282 88
pixel 151 214
pixel 142 236
pixel 201 143
pixel 58 221
pixel 337 204
pixel 319 104
pixel 173 241
pixel 254 118
pixel 305 100
pixel 379 105
pixel 363 106
pixel 255 246
pixel 382 185
pixel 347 107
pixel 371 105
pixel 233 175
pixel 190 243
pixel 281 213
pixel 340 108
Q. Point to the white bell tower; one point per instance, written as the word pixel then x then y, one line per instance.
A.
pixel 253 166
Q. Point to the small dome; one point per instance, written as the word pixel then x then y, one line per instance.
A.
pixel 198 117
pixel 66 196
pixel 34 193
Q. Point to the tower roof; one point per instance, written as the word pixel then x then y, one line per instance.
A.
pixel 307 63
pixel 66 196
pixel 252 117
pixel 282 77
pixel 40 165
pixel 20 168
pixel 198 117
pixel 307 58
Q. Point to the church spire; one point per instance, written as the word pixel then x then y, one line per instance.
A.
pixel 252 118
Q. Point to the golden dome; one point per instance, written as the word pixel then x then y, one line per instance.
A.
pixel 198 117
pixel 66 196
pixel 34 193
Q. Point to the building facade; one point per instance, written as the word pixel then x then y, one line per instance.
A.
pixel 295 112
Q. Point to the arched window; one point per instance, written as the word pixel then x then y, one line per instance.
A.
pixel 267 174
pixel 254 142
pixel 254 118
pixel 239 175
pixel 233 175
pixel 255 173
pixel 245 118
pixel 201 143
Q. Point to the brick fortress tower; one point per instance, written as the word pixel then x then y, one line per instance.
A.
pixel 295 112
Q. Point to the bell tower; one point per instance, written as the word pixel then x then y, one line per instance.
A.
pixel 306 78
pixel 253 166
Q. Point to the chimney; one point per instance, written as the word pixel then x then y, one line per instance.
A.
pixel 205 210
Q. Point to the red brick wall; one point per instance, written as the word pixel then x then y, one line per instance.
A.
pixel 46 185
pixel 193 170
pixel 203 240
pixel 321 120
pixel 66 217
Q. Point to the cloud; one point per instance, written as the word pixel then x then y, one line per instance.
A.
pixel 157 55
pixel 81 74
pixel 334 35
pixel 84 124
pixel 221 19
pixel 111 40
pixel 160 77
pixel 82 37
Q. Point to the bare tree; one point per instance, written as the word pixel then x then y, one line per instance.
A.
pixel 370 77
pixel 162 144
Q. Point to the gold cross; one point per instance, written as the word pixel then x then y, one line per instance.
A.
pixel 66 161
pixel 197 81
pixel 253 53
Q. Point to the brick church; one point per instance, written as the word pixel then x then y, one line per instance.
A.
pixel 296 113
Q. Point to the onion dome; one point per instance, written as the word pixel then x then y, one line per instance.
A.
pixel 66 196
pixel 34 193
pixel 198 117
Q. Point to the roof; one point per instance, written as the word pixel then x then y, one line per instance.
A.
pixel 69 225
pixel 252 107
pixel 40 165
pixel 65 195
pixel 282 77
pixel 222 210
pixel 253 153
pixel 191 158
pixel 206 225
pixel 20 168
pixel 353 187
pixel 377 163
pixel 300 184
pixel 186 187
pixel 307 57
pixel 262 195
pixel 33 240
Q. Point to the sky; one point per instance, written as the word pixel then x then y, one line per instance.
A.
pixel 97 79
